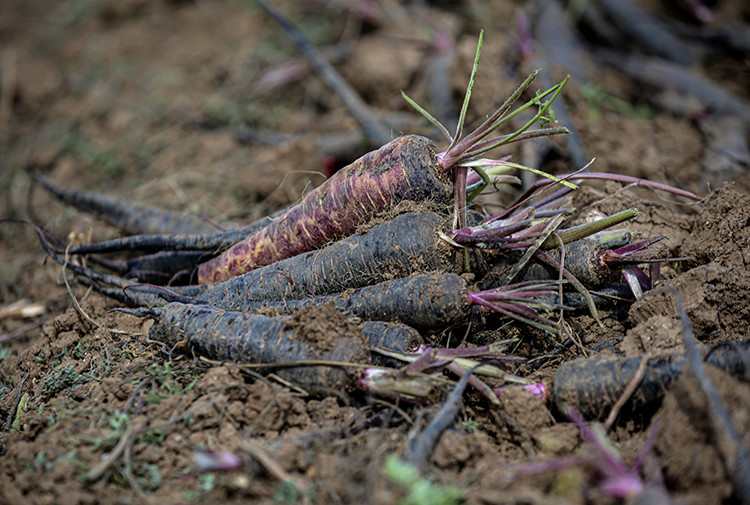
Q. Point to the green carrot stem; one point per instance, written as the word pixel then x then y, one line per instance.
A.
pixel 480 186
pixel 467 96
pixel 578 232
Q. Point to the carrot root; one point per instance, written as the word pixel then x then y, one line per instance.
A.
pixel 245 338
pixel 404 169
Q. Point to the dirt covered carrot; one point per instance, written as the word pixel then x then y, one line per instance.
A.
pixel 430 301
pixel 404 169
pixel 426 302
pixel 212 243
pixel 244 338
pixel 407 244
pixel 593 385
pixel 164 267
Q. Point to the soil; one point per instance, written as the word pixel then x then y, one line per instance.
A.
pixel 152 100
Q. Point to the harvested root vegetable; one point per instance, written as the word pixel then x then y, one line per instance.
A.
pixel 206 243
pixel 596 265
pixel 163 267
pixel 244 338
pixel 428 301
pixel 593 385
pixel 392 336
pixel 407 244
pixel 407 168
pixel 385 251
pixel 369 262
pixel 404 169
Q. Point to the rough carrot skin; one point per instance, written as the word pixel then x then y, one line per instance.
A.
pixel 426 302
pixel 212 243
pixel 404 169
pixel 593 385
pixel 393 336
pixel 407 244
pixel 172 267
pixel 581 260
pixel 246 338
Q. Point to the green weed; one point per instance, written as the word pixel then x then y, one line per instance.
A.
pixel 80 351
pixel 20 410
pixel 208 481
pixel 169 381
pixel 470 425
pixel 153 437
pixel 420 491
pixel 118 422
pixel 148 476
pixel 286 492
pixel 64 378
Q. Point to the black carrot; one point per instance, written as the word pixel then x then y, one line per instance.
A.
pixel 593 385
pixel 406 168
pixel 212 243
pixel 244 338
pixel 425 301
pixel 407 244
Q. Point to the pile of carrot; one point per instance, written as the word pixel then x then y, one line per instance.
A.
pixel 313 288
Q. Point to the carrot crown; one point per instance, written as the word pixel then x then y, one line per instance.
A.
pixel 460 151
pixel 462 154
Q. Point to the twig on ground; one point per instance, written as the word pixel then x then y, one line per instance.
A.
pixel 627 393
pixel 99 470
pixel 23 329
pixel 420 447
pixel 734 453
pixel 73 297
pixel 128 470
pixel 374 130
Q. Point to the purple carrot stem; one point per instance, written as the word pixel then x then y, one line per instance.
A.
pixel 427 356
pixel 602 176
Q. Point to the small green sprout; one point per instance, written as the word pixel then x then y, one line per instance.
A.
pixel 470 425
pixel 420 491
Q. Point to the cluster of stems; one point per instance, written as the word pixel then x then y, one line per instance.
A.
pixel 422 375
pixel 462 154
